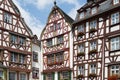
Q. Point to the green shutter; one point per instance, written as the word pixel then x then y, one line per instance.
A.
pixel 69 75
pixel 53 76
pixel 58 75
pixel 44 77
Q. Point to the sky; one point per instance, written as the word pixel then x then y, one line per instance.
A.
pixel 36 12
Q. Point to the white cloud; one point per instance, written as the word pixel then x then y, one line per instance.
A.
pixel 34 24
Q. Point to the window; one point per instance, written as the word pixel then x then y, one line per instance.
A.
pixel 49 76
pixel 60 40
pixel 51 59
pixel 22 40
pixel 115 43
pixel 59 57
pixel 13 39
pixel 49 43
pixel 21 58
pixel 93 45
pixel 58 26
pixel 81 48
pixel 94 10
pixel 35 72
pixel 92 69
pixel 81 28
pixel 1 75
pixel 82 15
pixel 14 57
pixel 12 76
pixel 35 56
pixel 115 18
pixel 64 75
pixel 7 18
pixel 93 24
pixel 54 14
pixel 115 1
pixel 22 76
pixel 81 70
pixel 114 70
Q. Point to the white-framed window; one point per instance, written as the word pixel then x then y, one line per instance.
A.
pixel 1 74
pixel 35 56
pixel 81 48
pixel 114 18
pixel 7 18
pixel 92 68
pixel 115 2
pixel 94 10
pixel 50 59
pixel 115 43
pixel 60 39
pixel 21 58
pixel 114 70
pixel 14 57
pixel 22 40
pixel 93 45
pixel 64 75
pixel 59 57
pixel 50 42
pixel 93 24
pixel 81 28
pixel 23 76
pixel 81 70
pixel 49 76
pixel 82 14
pixel 12 76
pixel 35 73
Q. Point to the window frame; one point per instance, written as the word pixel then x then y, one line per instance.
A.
pixel 115 2
pixel 93 68
pixel 35 73
pixel 81 71
pixel 35 56
pixel 115 18
pixel 7 18
pixel 115 43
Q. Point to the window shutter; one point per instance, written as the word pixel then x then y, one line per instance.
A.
pixel 58 75
pixel 44 77
pixel 53 76
pixel 69 75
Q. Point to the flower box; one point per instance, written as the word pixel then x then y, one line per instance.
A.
pixel 81 54
pixel 92 75
pixel 81 33
pixel 92 30
pixel 80 76
pixel 93 51
pixel 113 77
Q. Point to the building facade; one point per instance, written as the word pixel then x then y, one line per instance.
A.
pixel 15 43
pixel 97 41
pixel 36 60
pixel 55 42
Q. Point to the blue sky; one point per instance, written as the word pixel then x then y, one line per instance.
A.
pixel 35 12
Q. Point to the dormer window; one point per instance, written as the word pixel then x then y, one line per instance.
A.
pixel 82 14
pixel 94 10
pixel 7 18
pixel 115 2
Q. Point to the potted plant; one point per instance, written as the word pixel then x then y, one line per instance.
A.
pixel 81 54
pixel 92 30
pixel 92 75
pixel 80 76
pixel 81 33
pixel 94 51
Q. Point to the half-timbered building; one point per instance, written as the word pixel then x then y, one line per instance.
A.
pixel 55 42
pixel 96 33
pixel 15 43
